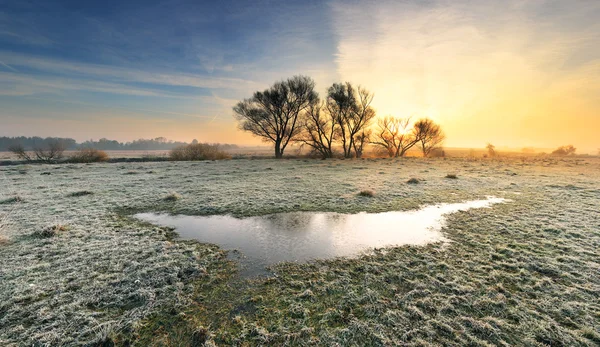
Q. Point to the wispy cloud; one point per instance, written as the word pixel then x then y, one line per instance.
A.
pixel 8 66
pixel 106 72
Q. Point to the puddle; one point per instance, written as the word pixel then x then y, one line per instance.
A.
pixel 303 236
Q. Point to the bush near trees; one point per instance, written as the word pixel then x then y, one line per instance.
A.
pixel 491 149
pixel 564 150
pixel 198 151
pixel 88 155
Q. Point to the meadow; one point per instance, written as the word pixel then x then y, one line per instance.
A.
pixel 78 269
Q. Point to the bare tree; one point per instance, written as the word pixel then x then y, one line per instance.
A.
pixel 51 152
pixel 274 114
pixel 394 135
pixel 491 150
pixel 320 129
pixel 429 134
pixel 20 152
pixel 351 108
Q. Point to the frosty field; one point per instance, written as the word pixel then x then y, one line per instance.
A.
pixel 78 269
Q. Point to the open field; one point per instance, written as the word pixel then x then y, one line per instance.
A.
pixel 77 269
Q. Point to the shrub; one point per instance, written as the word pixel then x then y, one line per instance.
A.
pixel 198 151
pixel 89 155
pixel 413 181
pixel 367 193
pixel 451 176
pixel 50 231
pixel 564 150
pixel 437 152
pixel 172 197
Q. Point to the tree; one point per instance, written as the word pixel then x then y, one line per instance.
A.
pixel 359 142
pixel 491 150
pixel 20 152
pixel 52 151
pixel 351 108
pixel 320 129
pixel 429 134
pixel 564 150
pixel 274 114
pixel 394 136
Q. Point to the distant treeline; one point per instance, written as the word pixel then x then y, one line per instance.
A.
pixel 159 143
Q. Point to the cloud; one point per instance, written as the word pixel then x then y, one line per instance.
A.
pixel 97 71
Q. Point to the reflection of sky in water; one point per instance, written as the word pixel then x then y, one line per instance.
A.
pixel 302 236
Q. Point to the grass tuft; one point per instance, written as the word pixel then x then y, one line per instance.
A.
pixel 12 200
pixel 413 181
pixel 50 231
pixel 451 176
pixel 367 193
pixel 81 193
pixel 171 197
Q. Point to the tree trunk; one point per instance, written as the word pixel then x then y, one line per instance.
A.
pixel 278 151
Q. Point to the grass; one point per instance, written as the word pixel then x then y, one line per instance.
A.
pixel 520 273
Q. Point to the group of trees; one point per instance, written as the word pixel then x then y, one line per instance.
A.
pixel 29 143
pixel 51 149
pixel 32 143
pixel 291 111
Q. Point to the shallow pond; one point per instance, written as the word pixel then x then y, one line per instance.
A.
pixel 303 236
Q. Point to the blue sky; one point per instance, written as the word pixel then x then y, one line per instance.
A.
pixel 170 62
pixel 124 70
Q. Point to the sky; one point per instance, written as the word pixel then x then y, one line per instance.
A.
pixel 515 73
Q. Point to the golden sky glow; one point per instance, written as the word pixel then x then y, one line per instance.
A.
pixel 487 73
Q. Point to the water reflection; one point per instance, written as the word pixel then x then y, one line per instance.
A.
pixel 302 236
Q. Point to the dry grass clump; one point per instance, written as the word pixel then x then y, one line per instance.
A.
pixel 451 176
pixel 50 231
pixel 198 151
pixel 413 181
pixel 367 193
pixel 11 200
pixel 81 193
pixel 171 197
pixel 89 155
